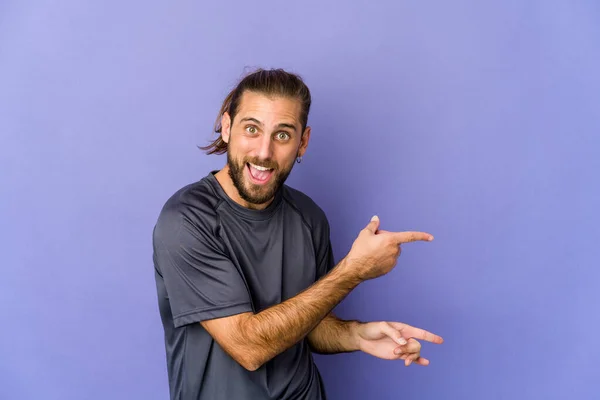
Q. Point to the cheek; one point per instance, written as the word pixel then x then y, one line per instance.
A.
pixel 245 146
pixel 238 147
pixel 286 162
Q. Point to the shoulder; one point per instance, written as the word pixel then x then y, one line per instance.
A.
pixel 192 207
pixel 311 212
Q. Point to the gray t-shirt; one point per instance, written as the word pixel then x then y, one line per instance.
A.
pixel 214 258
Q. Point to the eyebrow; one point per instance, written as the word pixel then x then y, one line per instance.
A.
pixel 282 125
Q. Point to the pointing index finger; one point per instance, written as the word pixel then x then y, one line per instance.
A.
pixel 411 236
pixel 417 333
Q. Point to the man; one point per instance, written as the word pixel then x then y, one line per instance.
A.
pixel 244 268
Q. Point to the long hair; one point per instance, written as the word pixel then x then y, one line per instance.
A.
pixel 273 82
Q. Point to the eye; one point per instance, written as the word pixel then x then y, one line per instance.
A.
pixel 283 136
pixel 251 129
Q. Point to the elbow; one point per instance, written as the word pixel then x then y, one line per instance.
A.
pixel 250 363
pixel 252 350
pixel 251 366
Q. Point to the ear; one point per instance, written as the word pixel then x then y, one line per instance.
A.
pixel 225 127
pixel 304 141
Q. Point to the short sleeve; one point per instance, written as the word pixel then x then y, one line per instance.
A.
pixel 201 282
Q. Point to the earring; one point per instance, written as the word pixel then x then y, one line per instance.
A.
pixel 299 159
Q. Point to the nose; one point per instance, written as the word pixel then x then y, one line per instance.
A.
pixel 265 150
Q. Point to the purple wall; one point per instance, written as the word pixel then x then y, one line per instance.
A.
pixel 479 123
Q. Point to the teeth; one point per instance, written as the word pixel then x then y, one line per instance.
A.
pixel 259 168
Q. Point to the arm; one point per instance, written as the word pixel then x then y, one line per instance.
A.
pixel 333 335
pixel 203 286
pixel 387 340
pixel 253 339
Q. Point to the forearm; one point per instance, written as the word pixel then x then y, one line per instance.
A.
pixel 333 335
pixel 277 328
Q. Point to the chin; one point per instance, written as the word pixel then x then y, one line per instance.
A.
pixel 258 194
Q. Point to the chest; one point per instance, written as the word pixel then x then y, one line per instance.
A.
pixel 276 257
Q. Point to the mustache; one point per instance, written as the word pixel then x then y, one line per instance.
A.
pixel 262 163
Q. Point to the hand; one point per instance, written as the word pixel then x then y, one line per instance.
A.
pixel 375 253
pixel 394 341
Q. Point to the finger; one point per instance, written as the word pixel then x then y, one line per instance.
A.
pixel 392 333
pixel 410 236
pixel 408 331
pixel 373 225
pixel 422 361
pixel 412 347
pixel 413 358
pixel 399 352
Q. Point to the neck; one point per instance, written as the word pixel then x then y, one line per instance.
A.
pixel 229 188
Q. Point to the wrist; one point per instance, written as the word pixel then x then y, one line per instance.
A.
pixel 355 338
pixel 349 269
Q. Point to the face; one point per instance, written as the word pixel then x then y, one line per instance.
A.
pixel 263 140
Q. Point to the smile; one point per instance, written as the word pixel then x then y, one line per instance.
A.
pixel 259 175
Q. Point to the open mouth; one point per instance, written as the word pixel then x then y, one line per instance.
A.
pixel 259 175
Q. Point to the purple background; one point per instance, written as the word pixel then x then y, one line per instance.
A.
pixel 476 121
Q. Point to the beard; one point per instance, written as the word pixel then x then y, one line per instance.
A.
pixel 250 192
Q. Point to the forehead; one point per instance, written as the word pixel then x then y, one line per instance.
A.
pixel 269 109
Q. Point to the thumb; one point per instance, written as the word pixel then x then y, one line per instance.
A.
pixel 373 225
